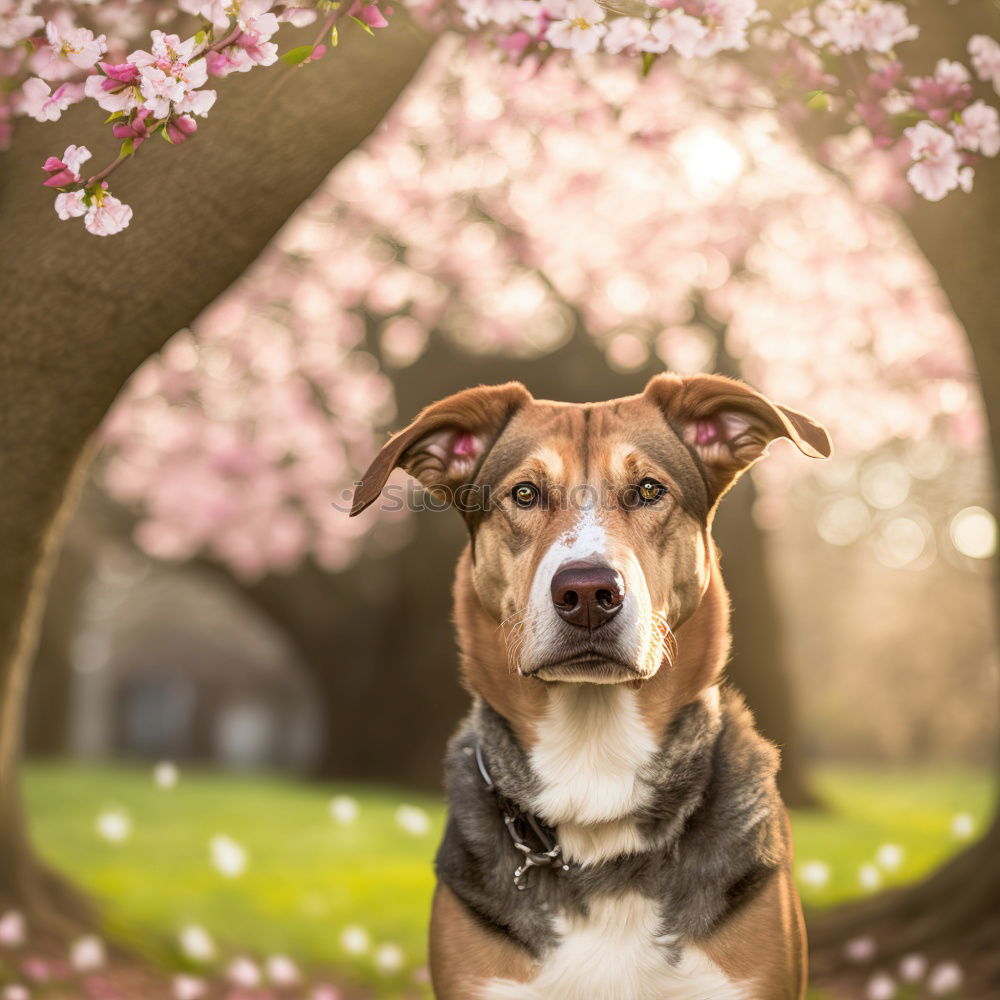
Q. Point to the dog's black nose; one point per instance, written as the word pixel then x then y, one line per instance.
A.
pixel 587 594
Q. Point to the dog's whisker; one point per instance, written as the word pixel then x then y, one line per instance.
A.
pixel 520 612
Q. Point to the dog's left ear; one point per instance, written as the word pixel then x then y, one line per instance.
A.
pixel 446 443
pixel 729 425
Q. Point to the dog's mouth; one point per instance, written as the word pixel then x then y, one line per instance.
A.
pixel 590 667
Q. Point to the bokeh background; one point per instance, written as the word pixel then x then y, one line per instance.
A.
pixel 241 696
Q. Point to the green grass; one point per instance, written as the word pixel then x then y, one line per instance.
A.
pixel 868 808
pixel 309 877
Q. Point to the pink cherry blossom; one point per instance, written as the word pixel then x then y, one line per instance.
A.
pixel 944 93
pixel 369 13
pixel 66 170
pixel 17 26
pixel 298 17
pixel 985 54
pixel 251 47
pixel 116 90
pixel 169 74
pixel 187 987
pixel 978 129
pixel 872 25
pixel 180 128
pixel 70 205
pixel 935 171
pixel 680 32
pixel 577 26
pixel 726 23
pixel 626 34
pixel 13 929
pixel 106 215
pixel 234 442
pixel 196 102
pixel 215 11
pixel 77 45
pixel 243 971
pixel 135 128
pixel 45 105
pixel 479 13
pixel 159 90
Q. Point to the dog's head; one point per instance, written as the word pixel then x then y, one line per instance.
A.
pixel 589 524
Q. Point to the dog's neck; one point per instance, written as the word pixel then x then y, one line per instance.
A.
pixel 597 776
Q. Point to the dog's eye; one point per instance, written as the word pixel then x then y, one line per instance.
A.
pixel 525 495
pixel 649 491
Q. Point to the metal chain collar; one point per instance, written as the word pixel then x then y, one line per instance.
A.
pixel 520 825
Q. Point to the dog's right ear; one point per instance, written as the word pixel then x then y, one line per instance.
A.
pixel 446 443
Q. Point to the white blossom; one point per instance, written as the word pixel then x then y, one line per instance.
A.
pixel 413 820
pixel 343 808
pixel 944 979
pixel 880 987
pixel 165 774
pixel 389 958
pixel 196 943
pixel 113 825
pixel 228 857
pixel 355 940
pixel 87 953
pixel 889 856
pixel 13 931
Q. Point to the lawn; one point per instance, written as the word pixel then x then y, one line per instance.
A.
pixel 311 873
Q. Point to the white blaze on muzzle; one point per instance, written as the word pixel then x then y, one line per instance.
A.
pixel 586 541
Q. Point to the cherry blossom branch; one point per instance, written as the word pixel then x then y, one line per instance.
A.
pixel 155 91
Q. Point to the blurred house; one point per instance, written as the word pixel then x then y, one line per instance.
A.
pixel 167 664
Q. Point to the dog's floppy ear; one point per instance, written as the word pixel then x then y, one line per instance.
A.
pixel 445 444
pixel 729 425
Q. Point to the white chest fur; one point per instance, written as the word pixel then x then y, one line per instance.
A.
pixel 614 953
pixel 591 748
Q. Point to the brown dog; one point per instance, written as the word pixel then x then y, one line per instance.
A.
pixel 614 828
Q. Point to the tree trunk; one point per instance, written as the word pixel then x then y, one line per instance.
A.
pixel 955 913
pixel 50 691
pixel 81 313
pixel 759 665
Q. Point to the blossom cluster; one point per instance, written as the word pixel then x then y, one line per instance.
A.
pixel 939 123
pixel 50 60
pixel 701 28
pixel 939 126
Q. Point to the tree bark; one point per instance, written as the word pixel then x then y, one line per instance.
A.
pixel 47 719
pixel 955 913
pixel 759 666
pixel 81 313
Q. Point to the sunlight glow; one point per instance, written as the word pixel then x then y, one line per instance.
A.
pixel 974 533
pixel 710 161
